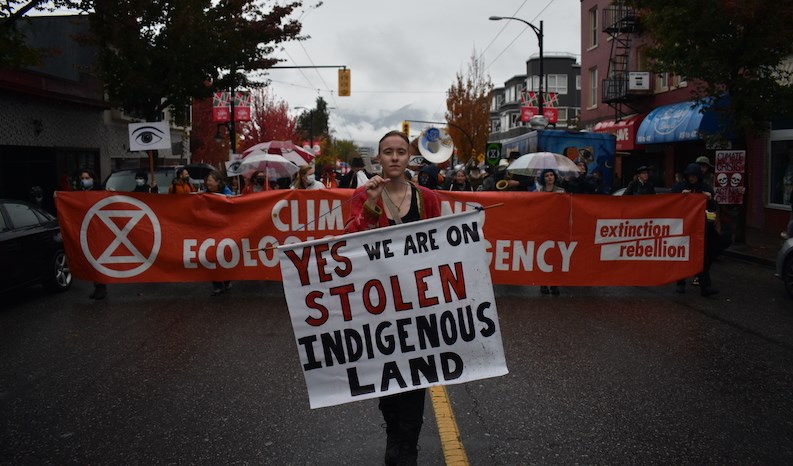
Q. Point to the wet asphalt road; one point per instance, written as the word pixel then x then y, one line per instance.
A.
pixel 164 374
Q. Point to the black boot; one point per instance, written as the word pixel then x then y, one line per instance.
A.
pixel 681 286
pixel 100 291
pixel 408 450
pixel 393 438
pixel 705 285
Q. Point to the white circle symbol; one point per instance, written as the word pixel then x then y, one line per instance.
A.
pixel 121 236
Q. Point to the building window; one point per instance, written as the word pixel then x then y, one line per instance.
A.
pixel 593 88
pixel 676 81
pixel 641 60
pixel 557 83
pixel 495 126
pixel 661 82
pixel 780 173
pixel 534 82
pixel 514 120
pixel 593 27
pixel 578 82
pixel 563 115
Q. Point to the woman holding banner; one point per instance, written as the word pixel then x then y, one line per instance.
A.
pixel 215 184
pixel 549 183
pixel 384 200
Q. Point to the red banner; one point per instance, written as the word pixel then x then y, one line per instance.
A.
pixel 242 106
pixel 220 107
pixel 532 238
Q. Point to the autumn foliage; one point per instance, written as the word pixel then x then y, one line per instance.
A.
pixel 468 110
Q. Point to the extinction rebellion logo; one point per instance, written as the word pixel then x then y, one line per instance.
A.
pixel 125 236
pixel 642 239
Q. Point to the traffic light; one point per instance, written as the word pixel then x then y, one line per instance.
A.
pixel 344 83
pixel 406 128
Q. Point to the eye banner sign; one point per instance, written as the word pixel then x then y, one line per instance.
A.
pixel 395 309
pixel 149 135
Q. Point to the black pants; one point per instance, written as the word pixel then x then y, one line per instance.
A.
pixel 404 415
pixel 409 406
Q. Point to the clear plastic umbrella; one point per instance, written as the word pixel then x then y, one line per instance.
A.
pixel 534 163
pixel 273 165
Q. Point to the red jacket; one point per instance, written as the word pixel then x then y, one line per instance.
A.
pixel 362 218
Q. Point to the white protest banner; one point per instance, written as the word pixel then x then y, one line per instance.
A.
pixel 393 309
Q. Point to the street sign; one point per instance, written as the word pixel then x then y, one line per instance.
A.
pixel 493 153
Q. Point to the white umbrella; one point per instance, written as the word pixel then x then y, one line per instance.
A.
pixel 273 165
pixel 288 149
pixel 534 163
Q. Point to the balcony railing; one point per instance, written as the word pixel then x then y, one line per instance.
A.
pixel 619 18
pixel 619 88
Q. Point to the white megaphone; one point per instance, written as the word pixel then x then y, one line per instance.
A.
pixel 436 145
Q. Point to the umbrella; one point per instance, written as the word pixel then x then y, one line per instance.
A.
pixel 199 171
pixel 288 149
pixel 273 165
pixel 534 163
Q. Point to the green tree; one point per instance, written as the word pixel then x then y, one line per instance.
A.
pixel 159 54
pixel 313 122
pixel 734 47
pixel 345 150
pixel 468 109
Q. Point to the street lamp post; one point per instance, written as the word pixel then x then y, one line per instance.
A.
pixel 538 31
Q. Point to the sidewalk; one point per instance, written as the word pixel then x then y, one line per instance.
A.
pixel 760 247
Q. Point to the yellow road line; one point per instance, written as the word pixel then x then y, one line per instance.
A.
pixel 453 451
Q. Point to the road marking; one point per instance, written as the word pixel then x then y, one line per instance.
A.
pixel 451 443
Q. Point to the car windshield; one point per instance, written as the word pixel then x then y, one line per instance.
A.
pixel 125 180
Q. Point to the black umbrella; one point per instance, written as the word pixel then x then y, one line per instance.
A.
pixel 199 171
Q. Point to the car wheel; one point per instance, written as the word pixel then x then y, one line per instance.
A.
pixel 59 277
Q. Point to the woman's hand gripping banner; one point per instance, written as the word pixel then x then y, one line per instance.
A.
pixel 393 309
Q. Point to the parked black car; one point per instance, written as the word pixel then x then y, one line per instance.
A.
pixel 31 248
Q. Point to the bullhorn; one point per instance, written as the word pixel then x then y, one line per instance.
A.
pixel 436 145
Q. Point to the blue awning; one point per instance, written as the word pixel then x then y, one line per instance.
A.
pixel 682 121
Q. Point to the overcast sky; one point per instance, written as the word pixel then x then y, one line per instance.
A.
pixel 405 54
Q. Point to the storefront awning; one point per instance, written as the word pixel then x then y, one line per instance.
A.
pixel 624 130
pixel 683 121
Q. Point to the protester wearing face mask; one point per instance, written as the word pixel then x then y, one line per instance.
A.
pixel 141 186
pixel 88 183
pixel 181 184
pixel 304 179
pixel 256 183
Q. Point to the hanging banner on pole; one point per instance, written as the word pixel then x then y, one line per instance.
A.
pixel 220 107
pixel 394 309
pixel 242 106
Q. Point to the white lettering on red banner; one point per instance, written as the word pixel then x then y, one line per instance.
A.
pixel 582 240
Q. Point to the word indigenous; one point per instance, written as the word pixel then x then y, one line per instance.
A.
pixel 374 313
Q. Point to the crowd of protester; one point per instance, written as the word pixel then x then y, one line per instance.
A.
pixel 461 178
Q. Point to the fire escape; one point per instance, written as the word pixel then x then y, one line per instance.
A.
pixel 622 89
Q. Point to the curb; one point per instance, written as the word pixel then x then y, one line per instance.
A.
pixel 749 258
